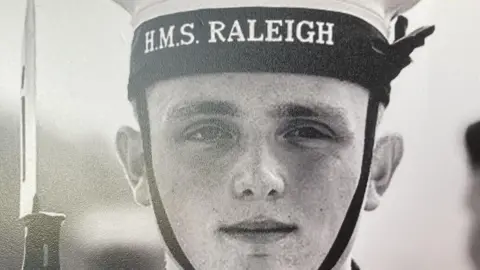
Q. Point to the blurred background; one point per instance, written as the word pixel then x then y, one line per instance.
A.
pixel 83 52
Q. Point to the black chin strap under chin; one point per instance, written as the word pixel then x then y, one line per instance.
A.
pixel 348 226
pixel 158 208
pixel 350 222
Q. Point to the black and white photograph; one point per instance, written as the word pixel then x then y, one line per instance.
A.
pixel 243 135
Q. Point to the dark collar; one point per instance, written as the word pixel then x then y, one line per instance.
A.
pixel 355 265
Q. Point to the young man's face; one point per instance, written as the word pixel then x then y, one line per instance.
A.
pixel 256 171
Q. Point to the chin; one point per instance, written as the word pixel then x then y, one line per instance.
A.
pixel 242 259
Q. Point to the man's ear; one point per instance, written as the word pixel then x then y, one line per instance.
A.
pixel 387 154
pixel 130 154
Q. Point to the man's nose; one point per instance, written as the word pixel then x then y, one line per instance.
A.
pixel 258 176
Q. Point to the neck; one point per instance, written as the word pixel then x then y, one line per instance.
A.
pixel 171 265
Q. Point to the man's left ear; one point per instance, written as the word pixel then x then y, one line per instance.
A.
pixel 387 154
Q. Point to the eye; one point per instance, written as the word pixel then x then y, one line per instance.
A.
pixel 209 134
pixel 307 133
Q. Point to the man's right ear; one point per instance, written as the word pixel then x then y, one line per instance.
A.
pixel 130 154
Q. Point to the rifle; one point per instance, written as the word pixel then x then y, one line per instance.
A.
pixel 42 229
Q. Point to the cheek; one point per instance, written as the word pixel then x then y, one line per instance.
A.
pixel 323 187
pixel 189 181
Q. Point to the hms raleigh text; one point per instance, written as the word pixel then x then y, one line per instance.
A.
pixel 250 30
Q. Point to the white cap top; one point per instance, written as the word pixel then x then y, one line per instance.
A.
pixel 378 13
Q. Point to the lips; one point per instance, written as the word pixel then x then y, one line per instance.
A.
pixel 259 230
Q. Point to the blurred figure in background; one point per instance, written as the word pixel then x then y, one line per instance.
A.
pixel 472 144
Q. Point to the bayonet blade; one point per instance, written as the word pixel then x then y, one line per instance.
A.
pixel 28 125
pixel 42 229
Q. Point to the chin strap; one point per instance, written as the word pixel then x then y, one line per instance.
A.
pixel 353 213
pixel 158 208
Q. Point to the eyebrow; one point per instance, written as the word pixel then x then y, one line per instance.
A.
pixel 223 108
pixel 293 110
pixel 333 115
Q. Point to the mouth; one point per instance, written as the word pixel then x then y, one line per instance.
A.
pixel 259 230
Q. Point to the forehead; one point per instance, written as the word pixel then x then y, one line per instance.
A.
pixel 257 92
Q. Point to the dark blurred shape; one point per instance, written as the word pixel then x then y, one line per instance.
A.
pixel 472 147
pixel 122 257
pixel 472 143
